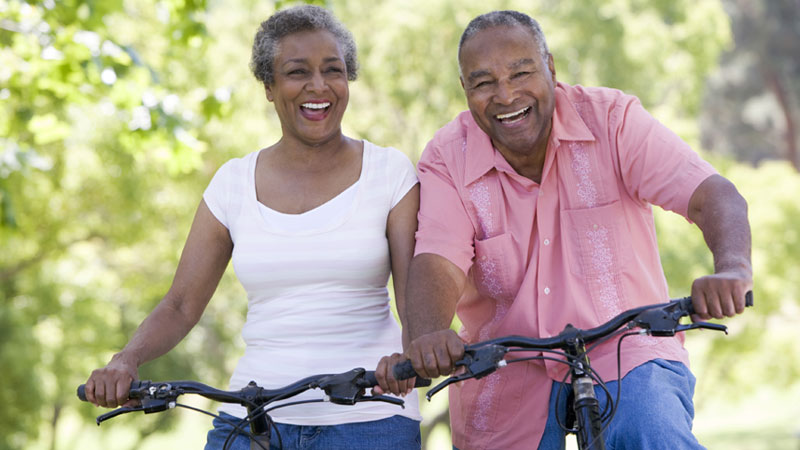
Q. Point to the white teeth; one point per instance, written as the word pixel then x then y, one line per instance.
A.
pixel 316 105
pixel 506 116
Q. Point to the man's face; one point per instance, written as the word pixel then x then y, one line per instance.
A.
pixel 509 88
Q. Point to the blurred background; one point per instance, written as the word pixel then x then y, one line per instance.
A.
pixel 114 115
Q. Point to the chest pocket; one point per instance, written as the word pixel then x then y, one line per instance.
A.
pixel 593 225
pixel 596 247
pixel 495 249
pixel 493 277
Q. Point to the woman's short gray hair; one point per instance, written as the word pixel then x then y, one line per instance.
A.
pixel 504 18
pixel 295 20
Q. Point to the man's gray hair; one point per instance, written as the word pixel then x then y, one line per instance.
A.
pixel 505 18
pixel 295 20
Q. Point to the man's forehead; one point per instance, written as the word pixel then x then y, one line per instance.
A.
pixel 489 67
pixel 475 51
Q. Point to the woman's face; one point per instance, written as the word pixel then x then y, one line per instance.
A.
pixel 310 90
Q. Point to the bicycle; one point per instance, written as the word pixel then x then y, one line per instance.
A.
pixel 584 419
pixel 347 388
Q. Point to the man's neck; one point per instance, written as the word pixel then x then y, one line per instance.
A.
pixel 528 164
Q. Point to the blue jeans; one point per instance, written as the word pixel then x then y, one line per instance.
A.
pixel 655 410
pixel 396 432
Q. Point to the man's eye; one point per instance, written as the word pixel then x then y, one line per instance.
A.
pixel 481 84
pixel 521 74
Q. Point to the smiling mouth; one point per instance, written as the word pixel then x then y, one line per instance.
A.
pixel 316 106
pixel 315 111
pixel 513 117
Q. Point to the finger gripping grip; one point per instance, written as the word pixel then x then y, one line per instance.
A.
pixel 404 370
pixel 134 385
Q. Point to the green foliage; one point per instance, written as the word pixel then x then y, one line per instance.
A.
pixel 735 365
pixel 115 114
pixel 752 106
pixel 103 107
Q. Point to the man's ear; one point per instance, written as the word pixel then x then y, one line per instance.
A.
pixel 461 80
pixel 551 65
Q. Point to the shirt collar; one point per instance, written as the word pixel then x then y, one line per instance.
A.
pixel 567 126
pixel 567 123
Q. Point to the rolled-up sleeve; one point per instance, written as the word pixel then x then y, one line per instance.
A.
pixel 445 228
pixel 657 166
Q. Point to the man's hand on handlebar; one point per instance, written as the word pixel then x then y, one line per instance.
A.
pixel 721 294
pixel 110 385
pixel 435 354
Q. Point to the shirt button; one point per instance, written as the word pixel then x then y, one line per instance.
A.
pixel 594 226
pixel 547 291
pixel 547 242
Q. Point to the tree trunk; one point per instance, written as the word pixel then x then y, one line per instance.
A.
pixel 54 425
pixel 779 91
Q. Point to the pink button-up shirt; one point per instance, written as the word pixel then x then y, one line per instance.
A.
pixel 578 248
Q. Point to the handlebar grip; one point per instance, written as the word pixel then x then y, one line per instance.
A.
pixel 404 371
pixel 748 298
pixel 135 386
pixel 686 302
pixel 369 378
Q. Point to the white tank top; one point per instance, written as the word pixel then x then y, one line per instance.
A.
pixel 316 284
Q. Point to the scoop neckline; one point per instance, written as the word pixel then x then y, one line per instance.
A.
pixel 367 147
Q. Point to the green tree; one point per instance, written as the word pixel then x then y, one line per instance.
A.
pixel 103 107
pixel 115 114
pixel 752 107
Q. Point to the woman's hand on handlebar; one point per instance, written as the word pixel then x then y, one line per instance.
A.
pixel 435 354
pixel 387 382
pixel 110 385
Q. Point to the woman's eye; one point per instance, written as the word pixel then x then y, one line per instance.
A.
pixel 297 72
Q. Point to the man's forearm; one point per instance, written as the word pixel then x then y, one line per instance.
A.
pixel 434 287
pixel 721 213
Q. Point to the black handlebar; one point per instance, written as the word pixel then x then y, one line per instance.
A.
pixel 342 388
pixel 659 320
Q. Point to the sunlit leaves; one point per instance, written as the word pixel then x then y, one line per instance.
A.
pixel 115 114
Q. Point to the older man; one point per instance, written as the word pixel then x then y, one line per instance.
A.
pixel 535 212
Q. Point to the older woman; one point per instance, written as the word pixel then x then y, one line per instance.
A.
pixel 314 225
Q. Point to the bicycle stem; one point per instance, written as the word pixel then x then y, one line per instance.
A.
pixel 586 407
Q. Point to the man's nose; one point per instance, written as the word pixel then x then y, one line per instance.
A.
pixel 505 94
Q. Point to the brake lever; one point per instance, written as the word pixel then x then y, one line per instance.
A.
pixel 700 325
pixel 477 362
pixel 383 398
pixel 148 406
pixel 117 412
pixel 454 379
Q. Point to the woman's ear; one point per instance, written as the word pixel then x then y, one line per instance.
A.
pixel 268 91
